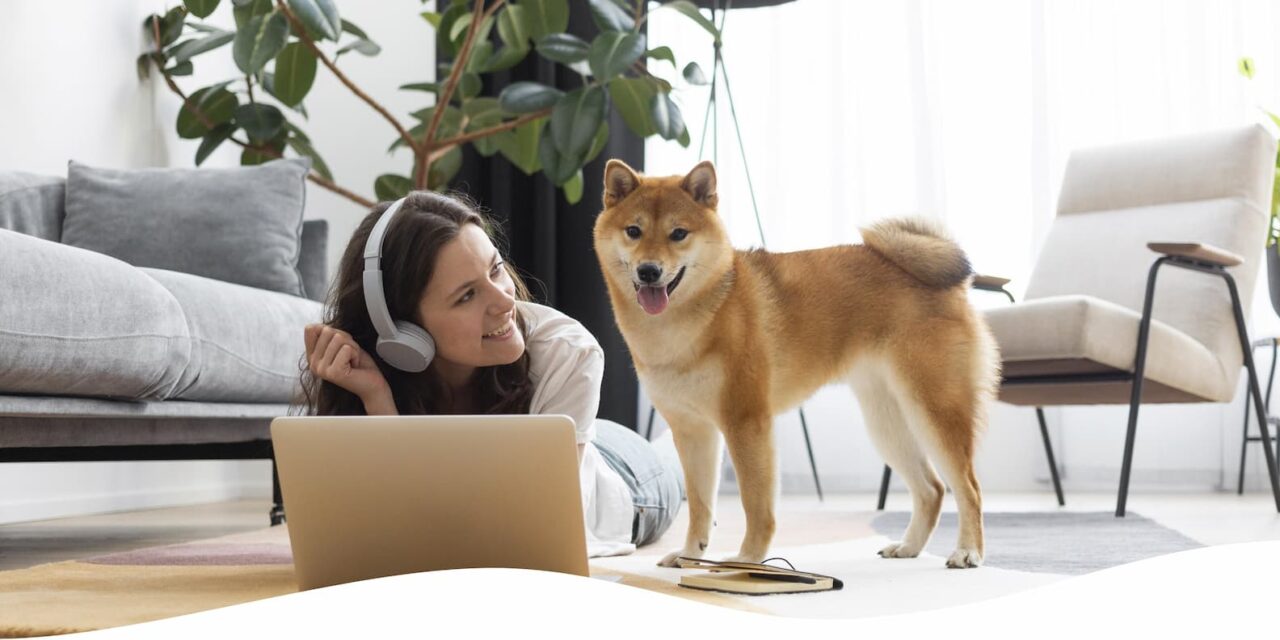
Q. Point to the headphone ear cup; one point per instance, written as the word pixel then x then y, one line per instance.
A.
pixel 412 349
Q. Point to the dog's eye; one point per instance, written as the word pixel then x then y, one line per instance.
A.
pixel 679 234
pixel 633 232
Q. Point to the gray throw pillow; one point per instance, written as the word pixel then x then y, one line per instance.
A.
pixel 240 225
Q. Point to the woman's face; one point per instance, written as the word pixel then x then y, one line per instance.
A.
pixel 469 306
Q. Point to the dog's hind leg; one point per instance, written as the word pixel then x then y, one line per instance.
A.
pixel 897 444
pixel 945 420
pixel 700 446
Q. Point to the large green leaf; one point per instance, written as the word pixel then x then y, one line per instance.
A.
pixel 320 16
pixel 216 103
pixel 610 17
pixel 563 48
pixel 444 168
pixel 181 69
pixel 542 17
pixel 390 186
pixel 520 145
pixel 469 86
pixel 303 147
pixel 574 120
pixel 559 167
pixel 693 74
pixel 691 10
pixel 632 97
pixel 201 8
pixel 662 53
pixel 364 44
pixel 512 27
pixel 429 87
pixel 527 97
pixel 479 58
pixel 483 113
pixel 573 188
pixel 505 58
pixel 246 11
pixel 666 116
pixel 262 122
pixel 295 73
pixel 451 15
pixel 188 49
pixel 217 136
pixel 597 144
pixel 170 26
pixel 613 52
pixel 259 41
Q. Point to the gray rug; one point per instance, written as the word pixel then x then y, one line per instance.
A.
pixel 1064 542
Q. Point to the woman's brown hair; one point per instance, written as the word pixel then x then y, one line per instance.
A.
pixel 426 222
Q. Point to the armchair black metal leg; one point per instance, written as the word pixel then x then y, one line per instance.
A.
pixel 1048 452
pixel 884 487
pixel 648 430
pixel 813 466
pixel 1254 392
pixel 1244 447
pixel 277 507
pixel 1135 395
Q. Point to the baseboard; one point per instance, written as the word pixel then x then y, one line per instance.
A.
pixel 83 504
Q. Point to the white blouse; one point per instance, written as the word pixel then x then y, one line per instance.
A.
pixel 566 365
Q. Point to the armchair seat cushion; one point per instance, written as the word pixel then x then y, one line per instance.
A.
pixel 1080 334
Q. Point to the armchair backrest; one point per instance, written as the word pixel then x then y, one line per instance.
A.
pixel 1213 188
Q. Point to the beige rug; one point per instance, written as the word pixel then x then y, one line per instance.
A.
pixel 161 582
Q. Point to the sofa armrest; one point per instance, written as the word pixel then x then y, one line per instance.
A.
pixel 312 259
pixel 1197 251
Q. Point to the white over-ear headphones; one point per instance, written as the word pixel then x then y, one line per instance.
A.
pixel 404 345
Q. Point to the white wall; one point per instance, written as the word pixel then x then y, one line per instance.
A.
pixel 70 92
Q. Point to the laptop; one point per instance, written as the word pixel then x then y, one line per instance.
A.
pixel 373 496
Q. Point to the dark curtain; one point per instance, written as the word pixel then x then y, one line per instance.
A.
pixel 548 239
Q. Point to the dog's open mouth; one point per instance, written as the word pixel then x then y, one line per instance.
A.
pixel 654 298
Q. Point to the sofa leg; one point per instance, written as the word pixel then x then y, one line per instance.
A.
pixel 884 488
pixel 277 506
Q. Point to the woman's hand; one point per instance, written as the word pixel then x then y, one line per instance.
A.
pixel 334 356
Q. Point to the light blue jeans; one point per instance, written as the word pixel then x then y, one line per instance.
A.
pixel 653 474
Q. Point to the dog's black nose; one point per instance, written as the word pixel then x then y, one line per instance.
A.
pixel 649 273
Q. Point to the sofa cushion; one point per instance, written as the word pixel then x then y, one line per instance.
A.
pixel 75 322
pixel 246 342
pixel 32 204
pixel 240 225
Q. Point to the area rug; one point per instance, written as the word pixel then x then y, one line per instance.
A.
pixel 1058 542
pixel 1025 550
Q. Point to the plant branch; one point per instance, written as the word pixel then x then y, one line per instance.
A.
pixel 484 133
pixel 442 102
pixel 342 77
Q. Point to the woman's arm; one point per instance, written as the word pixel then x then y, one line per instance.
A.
pixel 384 404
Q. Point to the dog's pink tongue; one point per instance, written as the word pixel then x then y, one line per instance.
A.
pixel 653 299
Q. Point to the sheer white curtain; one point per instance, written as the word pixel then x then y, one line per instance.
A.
pixel 967 112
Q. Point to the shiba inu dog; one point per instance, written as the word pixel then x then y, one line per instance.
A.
pixel 724 340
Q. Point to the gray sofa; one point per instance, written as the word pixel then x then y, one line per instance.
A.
pixel 103 360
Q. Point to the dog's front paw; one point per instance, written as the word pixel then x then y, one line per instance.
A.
pixel 964 559
pixel 900 550
pixel 670 559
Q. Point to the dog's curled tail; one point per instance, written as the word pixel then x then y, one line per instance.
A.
pixel 922 248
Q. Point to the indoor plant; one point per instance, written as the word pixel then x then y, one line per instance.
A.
pixel 279 45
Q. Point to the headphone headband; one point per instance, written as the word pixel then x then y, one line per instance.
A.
pixel 374 297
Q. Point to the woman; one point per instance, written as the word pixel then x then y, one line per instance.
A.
pixel 495 353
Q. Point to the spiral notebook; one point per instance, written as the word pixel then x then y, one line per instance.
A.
pixel 751 578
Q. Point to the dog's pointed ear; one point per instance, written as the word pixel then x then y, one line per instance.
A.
pixel 619 181
pixel 701 184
